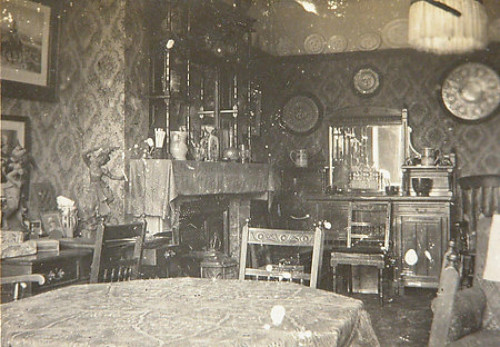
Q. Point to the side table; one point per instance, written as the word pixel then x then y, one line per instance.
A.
pixel 60 268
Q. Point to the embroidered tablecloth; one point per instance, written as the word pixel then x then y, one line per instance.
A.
pixel 186 312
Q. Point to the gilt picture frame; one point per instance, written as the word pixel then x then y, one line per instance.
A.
pixel 29 50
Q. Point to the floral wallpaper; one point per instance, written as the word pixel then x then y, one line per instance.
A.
pixel 102 81
pixel 407 79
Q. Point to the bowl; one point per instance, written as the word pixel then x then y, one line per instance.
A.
pixel 422 186
pixel 391 190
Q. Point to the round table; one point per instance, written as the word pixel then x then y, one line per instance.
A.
pixel 186 312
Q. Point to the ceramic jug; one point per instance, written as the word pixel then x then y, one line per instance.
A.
pixel 429 156
pixel 178 146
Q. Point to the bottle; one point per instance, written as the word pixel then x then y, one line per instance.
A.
pixel 213 147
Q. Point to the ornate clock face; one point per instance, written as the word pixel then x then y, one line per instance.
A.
pixel 471 91
pixel 300 114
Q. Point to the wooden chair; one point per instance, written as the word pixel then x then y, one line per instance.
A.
pixel 19 284
pixel 366 242
pixel 286 238
pixel 466 316
pixel 118 252
pixel 480 194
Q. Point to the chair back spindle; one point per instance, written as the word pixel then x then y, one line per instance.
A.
pixel 118 252
pixel 285 238
pixel 480 194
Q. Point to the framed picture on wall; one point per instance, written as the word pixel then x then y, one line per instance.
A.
pixel 14 132
pixel 30 36
pixel 15 168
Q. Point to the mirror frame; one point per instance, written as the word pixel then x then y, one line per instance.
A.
pixel 373 115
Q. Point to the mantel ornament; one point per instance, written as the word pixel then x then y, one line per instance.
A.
pixel 96 159
pixel 471 91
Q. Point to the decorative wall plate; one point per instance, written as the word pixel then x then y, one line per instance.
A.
pixel 301 114
pixel 369 41
pixel 366 81
pixel 471 91
pixel 314 44
pixel 337 43
pixel 395 33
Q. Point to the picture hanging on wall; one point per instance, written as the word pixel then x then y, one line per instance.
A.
pixel 30 35
pixel 15 169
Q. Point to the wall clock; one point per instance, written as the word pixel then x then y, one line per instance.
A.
pixel 301 114
pixel 471 91
pixel 366 81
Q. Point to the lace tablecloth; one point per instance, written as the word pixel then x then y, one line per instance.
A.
pixel 186 312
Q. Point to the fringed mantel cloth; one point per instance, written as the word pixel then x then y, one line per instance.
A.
pixel 186 312
pixel 155 184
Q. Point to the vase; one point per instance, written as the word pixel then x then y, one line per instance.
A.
pixel 178 146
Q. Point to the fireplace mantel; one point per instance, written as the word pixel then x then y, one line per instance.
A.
pixel 157 186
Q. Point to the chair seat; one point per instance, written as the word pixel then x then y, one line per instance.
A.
pixel 280 271
pixel 357 250
pixel 354 259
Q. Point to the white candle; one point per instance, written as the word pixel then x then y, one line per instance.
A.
pixel 330 157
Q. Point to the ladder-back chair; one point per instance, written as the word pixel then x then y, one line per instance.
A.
pixel 285 238
pixel 367 241
pixel 118 252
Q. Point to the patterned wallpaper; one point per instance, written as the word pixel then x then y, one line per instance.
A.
pixel 102 76
pixel 408 78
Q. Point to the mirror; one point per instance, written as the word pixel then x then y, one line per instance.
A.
pixel 367 147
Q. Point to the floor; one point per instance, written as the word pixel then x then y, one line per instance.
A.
pixel 404 320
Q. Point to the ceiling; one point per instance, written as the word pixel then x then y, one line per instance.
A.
pixel 286 27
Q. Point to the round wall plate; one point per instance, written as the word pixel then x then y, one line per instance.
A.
pixel 314 44
pixel 337 43
pixel 471 91
pixel 301 114
pixel 366 81
pixel 369 41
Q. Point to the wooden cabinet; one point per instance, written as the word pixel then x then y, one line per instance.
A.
pixel 200 79
pixel 420 230
pixel 421 236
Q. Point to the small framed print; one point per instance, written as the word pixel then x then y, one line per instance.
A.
pixel 52 225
